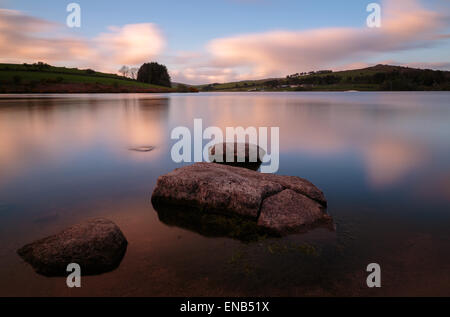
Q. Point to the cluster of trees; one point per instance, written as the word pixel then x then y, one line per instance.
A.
pixel 325 71
pixel 150 73
pixel 407 80
pixel 313 80
pixel 154 73
pixel 40 65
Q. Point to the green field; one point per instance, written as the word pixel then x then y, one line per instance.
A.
pixel 27 76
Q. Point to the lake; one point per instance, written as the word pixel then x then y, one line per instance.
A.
pixel 382 160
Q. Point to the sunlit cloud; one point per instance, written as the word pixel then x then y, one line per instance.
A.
pixel 28 39
pixel 405 25
pixel 132 44
pixel 193 74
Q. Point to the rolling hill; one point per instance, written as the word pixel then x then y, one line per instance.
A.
pixel 375 78
pixel 43 78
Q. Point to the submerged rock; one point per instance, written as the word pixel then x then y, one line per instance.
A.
pixel 97 245
pixel 240 154
pixel 280 204
pixel 142 148
pixel 210 224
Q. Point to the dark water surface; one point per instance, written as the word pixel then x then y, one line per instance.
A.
pixel 382 160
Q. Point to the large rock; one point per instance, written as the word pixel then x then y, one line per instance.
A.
pixel 215 187
pixel 266 198
pixel 97 245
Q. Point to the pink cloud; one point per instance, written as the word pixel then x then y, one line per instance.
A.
pixel 28 39
pixel 405 25
pixel 132 44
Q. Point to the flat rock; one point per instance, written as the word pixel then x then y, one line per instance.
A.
pixel 97 245
pixel 216 188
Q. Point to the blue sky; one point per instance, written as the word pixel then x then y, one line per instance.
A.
pixel 191 26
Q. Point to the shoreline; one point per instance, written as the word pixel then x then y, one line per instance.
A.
pixel 156 91
pixel 79 88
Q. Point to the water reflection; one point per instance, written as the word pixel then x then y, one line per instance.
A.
pixel 144 121
pixel 218 225
pixel 382 160
pixel 388 134
pixel 210 225
pixel 388 161
pixel 55 130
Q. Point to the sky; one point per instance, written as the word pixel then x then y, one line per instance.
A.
pixel 227 40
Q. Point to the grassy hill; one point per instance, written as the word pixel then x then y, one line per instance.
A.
pixel 376 78
pixel 43 78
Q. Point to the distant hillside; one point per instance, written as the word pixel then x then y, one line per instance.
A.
pixel 376 78
pixel 43 78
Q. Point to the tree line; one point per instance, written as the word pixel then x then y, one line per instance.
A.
pixel 412 79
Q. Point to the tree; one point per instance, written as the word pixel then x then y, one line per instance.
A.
pixel 124 70
pixel 133 72
pixel 154 73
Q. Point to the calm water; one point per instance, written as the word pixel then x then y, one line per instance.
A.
pixel 382 160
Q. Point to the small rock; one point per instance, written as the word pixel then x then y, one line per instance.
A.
pixel 142 148
pixel 241 154
pixel 97 245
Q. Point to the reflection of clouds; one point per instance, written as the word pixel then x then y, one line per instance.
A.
pixel 52 131
pixel 376 128
pixel 387 161
pixel 30 131
pixel 143 122
pixel 390 138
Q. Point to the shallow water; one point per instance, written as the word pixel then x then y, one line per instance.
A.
pixel 382 160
